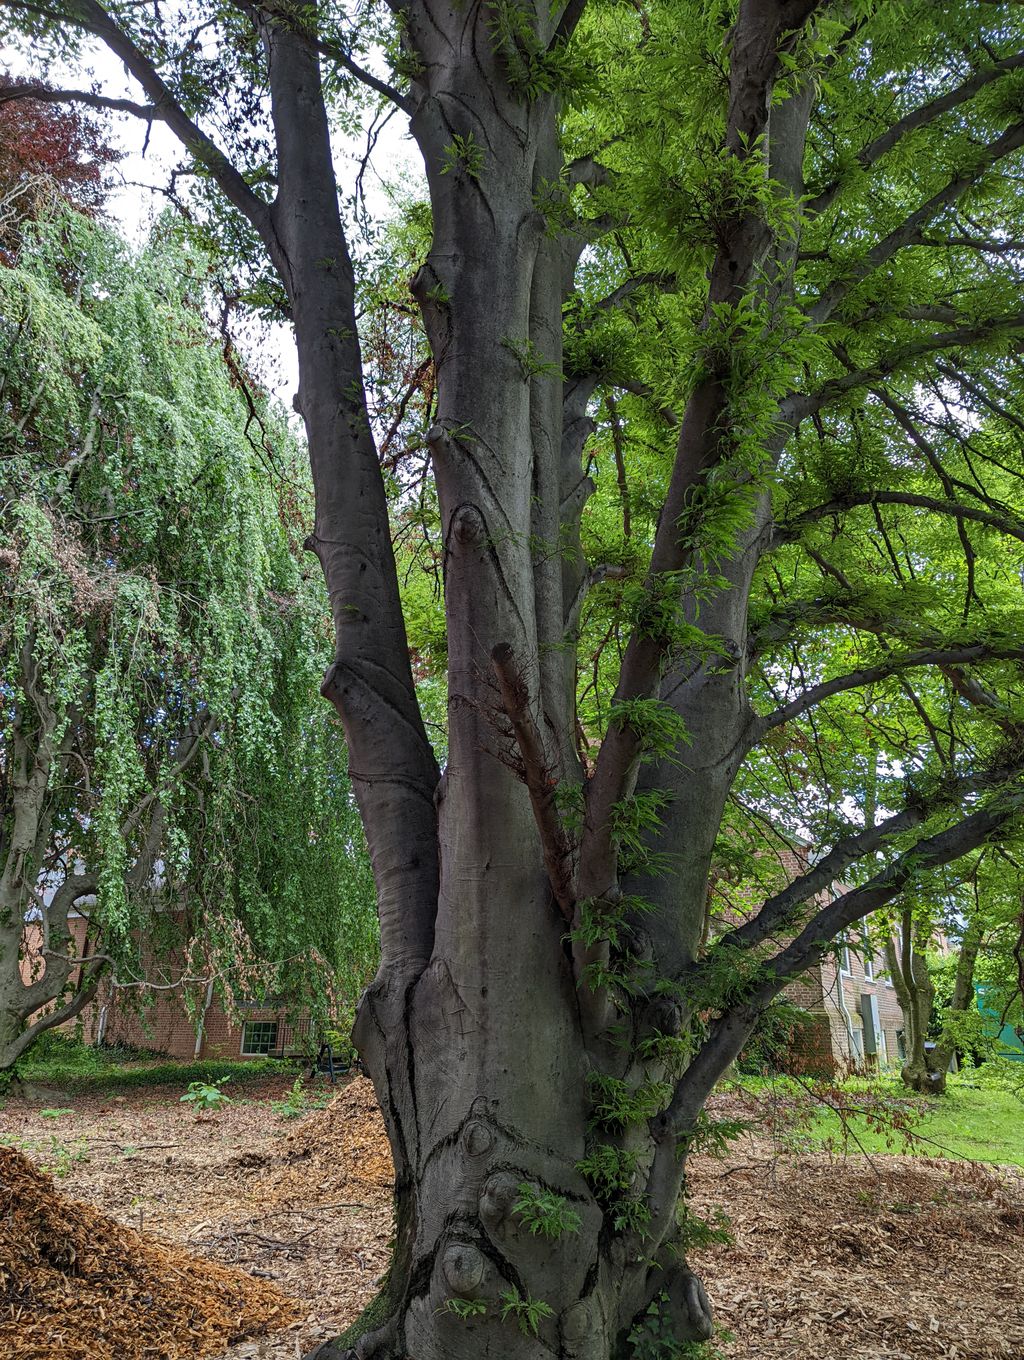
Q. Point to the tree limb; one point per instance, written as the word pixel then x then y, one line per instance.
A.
pixel 729 1033
pixel 869 675
pixel 917 118
pixel 789 530
pixel 903 235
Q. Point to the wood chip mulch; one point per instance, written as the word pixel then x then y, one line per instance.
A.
pixel 75 1285
pixel 896 1258
pixel 899 1258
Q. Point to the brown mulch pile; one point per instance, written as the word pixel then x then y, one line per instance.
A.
pixel 76 1285
pixel 338 1153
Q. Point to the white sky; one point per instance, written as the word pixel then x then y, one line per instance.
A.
pixel 146 166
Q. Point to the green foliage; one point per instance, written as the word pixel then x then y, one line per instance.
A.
pixel 463 155
pixel 616 1104
pixel 659 728
pixel 545 1212
pixel 465 1308
pixel 295 1104
pixel 711 1136
pixel 202 1095
pixel 531 360
pixel 161 640
pixel 632 819
pixel 695 1233
pixel 528 1312
pixel 653 1337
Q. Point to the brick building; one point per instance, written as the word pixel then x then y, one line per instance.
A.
pixel 184 1023
pixel 853 1018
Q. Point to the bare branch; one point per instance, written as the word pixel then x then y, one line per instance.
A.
pixel 44 94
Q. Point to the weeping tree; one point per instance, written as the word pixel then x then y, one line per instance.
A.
pixel 730 293
pixel 158 647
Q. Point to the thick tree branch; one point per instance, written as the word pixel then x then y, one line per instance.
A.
pixel 761 30
pixel 787 531
pixel 869 675
pixel 797 406
pixel 917 118
pixel 905 234
pixel 44 94
pixel 93 18
pixel 88 983
pixel 729 1033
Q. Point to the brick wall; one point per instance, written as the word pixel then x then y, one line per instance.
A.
pixel 843 986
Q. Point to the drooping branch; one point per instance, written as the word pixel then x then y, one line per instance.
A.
pixel 44 94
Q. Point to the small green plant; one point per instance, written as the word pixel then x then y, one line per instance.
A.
pixel 61 1158
pixel 465 154
pixel 295 1103
pixel 56 1113
pixel 653 1337
pixel 464 1308
pixel 542 1211
pixel 528 1312
pixel 531 360
pixel 207 1096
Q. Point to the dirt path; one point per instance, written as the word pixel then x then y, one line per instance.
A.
pixel 833 1260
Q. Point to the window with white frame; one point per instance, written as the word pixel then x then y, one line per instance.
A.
pixel 259 1037
pixel 844 957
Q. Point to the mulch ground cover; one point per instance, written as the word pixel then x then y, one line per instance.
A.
pixel 77 1285
pixel 898 1258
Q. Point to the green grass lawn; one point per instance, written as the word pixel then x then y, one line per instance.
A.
pixel 972 1122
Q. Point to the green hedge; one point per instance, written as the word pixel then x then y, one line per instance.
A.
pixel 80 1075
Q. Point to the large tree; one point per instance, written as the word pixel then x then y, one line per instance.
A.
pixel 752 270
pixel 164 775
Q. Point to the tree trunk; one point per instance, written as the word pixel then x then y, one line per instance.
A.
pixel 491 1111
pixel 924 1070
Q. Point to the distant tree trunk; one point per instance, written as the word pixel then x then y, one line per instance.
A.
pixel 925 1069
